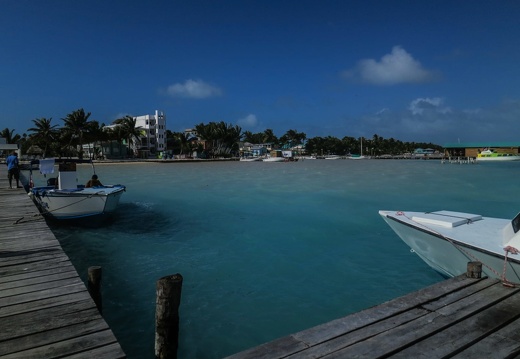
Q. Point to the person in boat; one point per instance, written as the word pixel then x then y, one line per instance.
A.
pixel 13 170
pixel 93 182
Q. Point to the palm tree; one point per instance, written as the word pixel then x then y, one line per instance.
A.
pixel 9 136
pixel 44 133
pixel 129 131
pixel 76 125
pixel 270 137
pixel 221 139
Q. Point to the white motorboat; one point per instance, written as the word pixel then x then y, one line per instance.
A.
pixel 273 159
pixel 250 159
pixel 64 199
pixel 491 155
pixel 447 241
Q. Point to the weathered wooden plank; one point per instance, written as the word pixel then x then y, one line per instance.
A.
pixel 465 333
pixel 395 340
pixel 30 281
pixel 42 294
pixel 360 319
pixel 65 296
pixel 40 287
pixel 275 349
pixel 43 320
pixel 66 348
pixel 504 343
pixel 112 351
pixel 356 336
pixel 51 336
pixel 33 266
pixel 53 269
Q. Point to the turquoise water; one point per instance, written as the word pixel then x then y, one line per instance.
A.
pixel 268 249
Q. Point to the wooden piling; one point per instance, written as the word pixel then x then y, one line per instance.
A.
pixel 94 286
pixel 474 270
pixel 167 316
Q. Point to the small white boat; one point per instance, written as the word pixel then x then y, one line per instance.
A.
pixel 447 241
pixel 491 155
pixel 273 159
pixel 279 156
pixel 64 199
pixel 250 159
pixel 360 156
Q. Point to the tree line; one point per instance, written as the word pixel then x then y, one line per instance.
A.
pixel 215 139
pixel 78 129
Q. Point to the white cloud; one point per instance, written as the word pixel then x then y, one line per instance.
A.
pixel 421 106
pixel 394 68
pixel 194 89
pixel 431 120
pixel 248 121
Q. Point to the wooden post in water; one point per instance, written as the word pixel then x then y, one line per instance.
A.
pixel 167 316
pixel 474 270
pixel 94 286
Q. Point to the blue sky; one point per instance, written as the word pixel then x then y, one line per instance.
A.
pixel 423 71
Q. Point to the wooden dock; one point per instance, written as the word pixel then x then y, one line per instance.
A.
pixel 45 308
pixel 457 318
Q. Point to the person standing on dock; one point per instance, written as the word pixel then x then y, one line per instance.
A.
pixel 13 170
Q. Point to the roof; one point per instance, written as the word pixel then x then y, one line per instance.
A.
pixel 8 146
pixel 481 144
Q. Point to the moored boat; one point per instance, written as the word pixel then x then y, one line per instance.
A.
pixel 448 240
pixel 492 155
pixel 64 199
pixel 250 159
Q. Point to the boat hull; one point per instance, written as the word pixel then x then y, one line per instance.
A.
pixel 274 159
pixel 498 158
pixel 76 204
pixel 439 248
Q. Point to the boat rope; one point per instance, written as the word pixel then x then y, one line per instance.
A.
pixel 470 256
pixel 505 282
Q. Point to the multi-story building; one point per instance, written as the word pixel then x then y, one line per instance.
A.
pixel 153 139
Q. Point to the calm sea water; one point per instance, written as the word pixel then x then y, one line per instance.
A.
pixel 268 249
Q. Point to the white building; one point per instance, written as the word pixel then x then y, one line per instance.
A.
pixel 153 140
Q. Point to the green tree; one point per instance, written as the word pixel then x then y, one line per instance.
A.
pixel 76 125
pixel 292 138
pixel 9 136
pixel 221 139
pixel 129 130
pixel 44 134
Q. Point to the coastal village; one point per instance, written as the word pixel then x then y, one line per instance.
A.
pixel 147 137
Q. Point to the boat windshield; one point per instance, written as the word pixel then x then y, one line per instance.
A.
pixel 516 223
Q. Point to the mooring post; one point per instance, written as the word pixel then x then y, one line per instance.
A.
pixel 474 270
pixel 167 316
pixel 94 286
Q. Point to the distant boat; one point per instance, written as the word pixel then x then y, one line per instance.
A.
pixel 64 199
pixel 280 156
pixel 360 156
pixel 491 155
pixel 250 159
pixel 273 159
pixel 448 240
pixel 333 157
